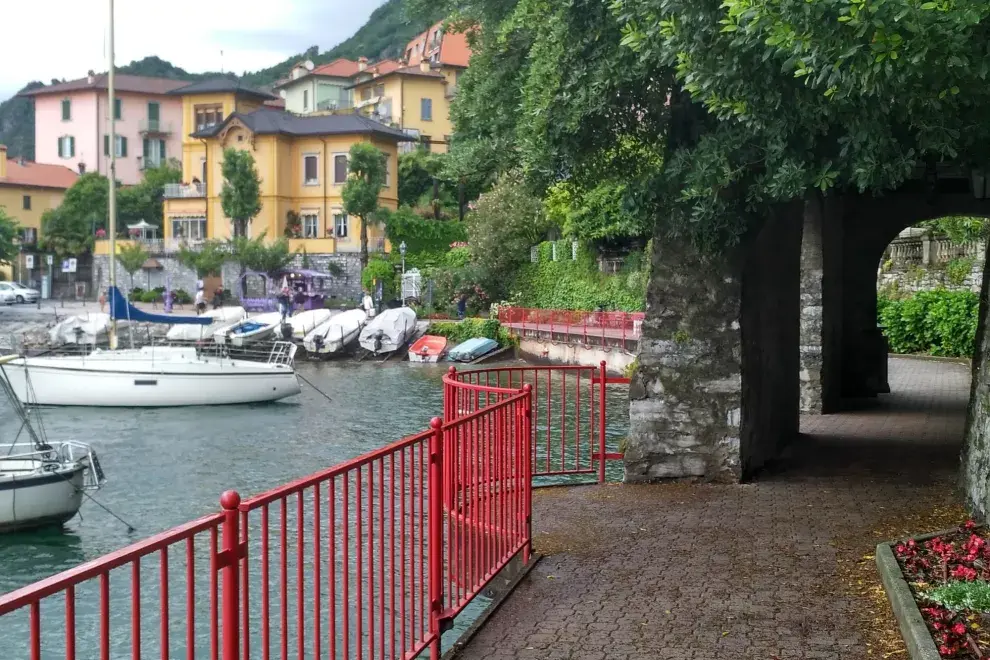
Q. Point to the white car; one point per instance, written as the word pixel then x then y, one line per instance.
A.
pixel 11 292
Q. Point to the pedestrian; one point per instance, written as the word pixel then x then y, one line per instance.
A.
pixel 200 302
pixel 285 303
pixel 368 304
pixel 218 298
pixel 103 300
pixel 462 306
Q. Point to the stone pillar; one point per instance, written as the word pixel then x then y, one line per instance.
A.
pixel 812 307
pixel 713 322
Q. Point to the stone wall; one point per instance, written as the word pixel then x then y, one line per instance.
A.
pixel 894 277
pixel 346 286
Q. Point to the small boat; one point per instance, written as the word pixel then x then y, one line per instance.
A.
pixel 388 331
pixel 472 349
pixel 428 348
pixel 253 329
pixel 41 482
pixel 88 328
pixel 220 319
pixel 305 322
pixel 335 334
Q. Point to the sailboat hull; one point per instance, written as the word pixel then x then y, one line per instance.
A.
pixel 109 383
pixel 39 500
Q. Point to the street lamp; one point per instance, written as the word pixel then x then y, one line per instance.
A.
pixel 402 251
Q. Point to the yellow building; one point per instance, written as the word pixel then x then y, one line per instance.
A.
pixel 27 190
pixel 302 163
pixel 414 98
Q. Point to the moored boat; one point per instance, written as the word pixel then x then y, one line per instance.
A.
pixel 388 331
pixel 334 335
pixel 219 320
pixel 250 330
pixel 428 348
pixel 86 328
pixel 304 323
pixel 472 349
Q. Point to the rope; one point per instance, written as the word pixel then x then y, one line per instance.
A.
pixel 307 381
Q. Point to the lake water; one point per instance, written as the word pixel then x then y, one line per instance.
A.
pixel 168 466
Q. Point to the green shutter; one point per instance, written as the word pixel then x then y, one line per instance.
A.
pixel 59 152
pixel 123 147
pixel 106 145
pixel 72 147
pixel 66 109
pixel 146 150
pixel 116 108
pixel 161 151
pixel 153 111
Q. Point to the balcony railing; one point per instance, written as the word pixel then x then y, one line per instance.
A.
pixel 156 126
pixel 184 190
pixel 332 105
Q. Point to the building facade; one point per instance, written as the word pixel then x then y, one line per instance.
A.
pixel 324 88
pixel 72 124
pixel 27 190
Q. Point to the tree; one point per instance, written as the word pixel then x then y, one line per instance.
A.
pixel 9 233
pixel 131 257
pixel 240 196
pixel 207 260
pixel 260 256
pixel 364 185
pixel 144 200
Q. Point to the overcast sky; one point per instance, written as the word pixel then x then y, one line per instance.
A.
pixel 45 39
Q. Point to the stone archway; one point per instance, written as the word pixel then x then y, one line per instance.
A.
pixel 734 347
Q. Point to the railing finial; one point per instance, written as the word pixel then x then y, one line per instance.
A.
pixel 230 499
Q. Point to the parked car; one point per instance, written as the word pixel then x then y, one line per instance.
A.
pixel 7 296
pixel 19 292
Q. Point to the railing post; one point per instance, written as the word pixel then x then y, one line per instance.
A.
pixel 230 572
pixel 601 421
pixel 450 396
pixel 527 467
pixel 435 527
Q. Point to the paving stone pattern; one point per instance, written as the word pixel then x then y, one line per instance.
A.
pixel 683 571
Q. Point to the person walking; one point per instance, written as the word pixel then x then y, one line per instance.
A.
pixel 218 298
pixel 462 307
pixel 200 302
pixel 368 304
pixel 285 303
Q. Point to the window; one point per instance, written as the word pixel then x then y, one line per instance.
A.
pixel 193 229
pixel 66 109
pixel 311 170
pixel 153 152
pixel 117 106
pixel 426 142
pixel 340 224
pixel 426 109
pixel 154 115
pixel 27 202
pixel 66 146
pixel 366 94
pixel 311 225
pixel 339 169
pixel 120 150
pixel 208 115
pixel 305 100
pixel 29 236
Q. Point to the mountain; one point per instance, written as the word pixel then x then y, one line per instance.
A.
pixel 385 34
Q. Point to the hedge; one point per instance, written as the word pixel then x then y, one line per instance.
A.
pixel 457 332
pixel 937 322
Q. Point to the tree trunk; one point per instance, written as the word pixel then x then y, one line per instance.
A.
pixel 364 242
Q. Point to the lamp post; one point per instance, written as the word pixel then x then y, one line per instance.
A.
pixel 402 251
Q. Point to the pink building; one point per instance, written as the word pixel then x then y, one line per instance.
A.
pixel 72 124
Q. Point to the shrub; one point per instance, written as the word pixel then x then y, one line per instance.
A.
pixel 182 297
pixel 379 269
pixel 136 293
pixel 957 270
pixel 422 234
pixel 937 322
pixel 961 595
pixel 469 328
pixel 151 296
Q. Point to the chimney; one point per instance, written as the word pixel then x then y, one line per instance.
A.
pixel 91 77
pixel 3 162
pixel 424 66
pixel 362 63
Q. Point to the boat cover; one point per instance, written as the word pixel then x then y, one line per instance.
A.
pixel 472 349
pixel 121 309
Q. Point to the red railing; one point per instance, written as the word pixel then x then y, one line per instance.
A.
pixel 568 433
pixel 371 558
pixel 599 328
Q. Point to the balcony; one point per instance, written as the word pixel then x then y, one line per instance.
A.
pixel 155 127
pixel 153 246
pixel 184 190
pixel 335 105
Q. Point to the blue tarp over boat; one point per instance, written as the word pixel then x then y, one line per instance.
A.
pixel 472 349
pixel 122 310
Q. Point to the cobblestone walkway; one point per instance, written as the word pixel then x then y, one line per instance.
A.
pixel 760 570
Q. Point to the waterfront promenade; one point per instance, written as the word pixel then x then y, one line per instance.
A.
pixel 778 568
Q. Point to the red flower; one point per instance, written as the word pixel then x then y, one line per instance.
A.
pixel 959 629
pixel 964 573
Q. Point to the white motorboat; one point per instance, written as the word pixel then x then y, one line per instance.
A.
pixel 220 320
pixel 86 328
pixel 42 483
pixel 333 335
pixel 250 330
pixel 388 331
pixel 304 323
pixel 153 376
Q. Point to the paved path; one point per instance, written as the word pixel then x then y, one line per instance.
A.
pixel 779 568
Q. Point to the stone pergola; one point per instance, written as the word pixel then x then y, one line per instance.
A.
pixel 736 347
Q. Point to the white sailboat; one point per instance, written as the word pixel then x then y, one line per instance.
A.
pixel 42 483
pixel 333 335
pixel 149 376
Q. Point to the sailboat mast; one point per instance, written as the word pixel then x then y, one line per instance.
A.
pixel 112 202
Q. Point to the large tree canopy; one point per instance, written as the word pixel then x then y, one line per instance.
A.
pixel 768 100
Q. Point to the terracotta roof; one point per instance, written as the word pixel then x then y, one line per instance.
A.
pixel 403 71
pixel 381 68
pixel 268 121
pixel 122 83
pixel 340 68
pixel 37 175
pixel 453 49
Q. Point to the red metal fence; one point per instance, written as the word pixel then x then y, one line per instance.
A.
pixel 371 558
pixel 599 328
pixel 568 434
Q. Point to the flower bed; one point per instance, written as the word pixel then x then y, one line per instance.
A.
pixel 949 576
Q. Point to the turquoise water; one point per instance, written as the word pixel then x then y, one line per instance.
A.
pixel 168 466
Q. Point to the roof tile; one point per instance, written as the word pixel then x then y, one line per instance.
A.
pixel 122 83
pixel 37 175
